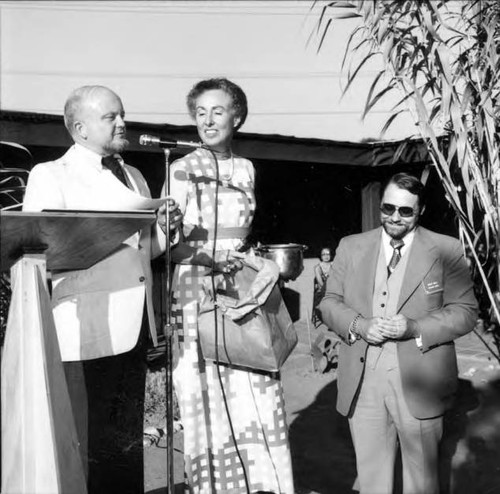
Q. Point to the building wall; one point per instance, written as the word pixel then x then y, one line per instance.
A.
pixel 152 52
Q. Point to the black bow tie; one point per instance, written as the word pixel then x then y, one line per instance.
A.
pixel 114 165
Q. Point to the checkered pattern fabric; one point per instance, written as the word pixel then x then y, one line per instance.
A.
pixel 214 464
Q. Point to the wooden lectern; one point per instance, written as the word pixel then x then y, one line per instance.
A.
pixel 39 444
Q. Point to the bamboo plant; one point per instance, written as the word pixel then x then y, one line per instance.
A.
pixel 442 59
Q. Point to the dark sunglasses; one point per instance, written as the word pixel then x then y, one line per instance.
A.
pixel 404 211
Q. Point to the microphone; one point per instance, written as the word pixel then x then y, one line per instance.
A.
pixel 147 140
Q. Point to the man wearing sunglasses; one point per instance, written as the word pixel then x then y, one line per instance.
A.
pixel 398 296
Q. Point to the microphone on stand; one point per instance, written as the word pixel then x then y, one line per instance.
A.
pixel 148 140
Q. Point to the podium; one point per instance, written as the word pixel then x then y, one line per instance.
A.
pixel 40 452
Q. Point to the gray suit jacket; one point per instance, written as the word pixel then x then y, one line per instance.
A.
pixel 437 292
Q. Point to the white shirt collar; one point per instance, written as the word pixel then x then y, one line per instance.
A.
pixel 91 157
pixel 386 243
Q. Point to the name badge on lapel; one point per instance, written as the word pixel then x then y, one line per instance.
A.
pixel 433 290
pixel 432 286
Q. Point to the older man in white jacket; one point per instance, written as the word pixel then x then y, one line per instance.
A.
pixel 102 314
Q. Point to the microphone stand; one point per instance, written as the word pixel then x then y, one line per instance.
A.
pixel 168 331
pixel 168 327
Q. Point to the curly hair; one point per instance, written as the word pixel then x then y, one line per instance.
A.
pixel 237 95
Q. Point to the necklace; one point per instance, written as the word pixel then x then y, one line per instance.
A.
pixel 223 155
pixel 226 177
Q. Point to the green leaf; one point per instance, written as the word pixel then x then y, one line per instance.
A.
pixel 345 15
pixel 371 103
pixel 428 21
pixel 390 121
pixel 352 75
pixel 323 36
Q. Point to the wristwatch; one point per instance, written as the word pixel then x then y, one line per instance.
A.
pixel 353 330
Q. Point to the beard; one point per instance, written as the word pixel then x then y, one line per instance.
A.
pixel 118 145
pixel 395 230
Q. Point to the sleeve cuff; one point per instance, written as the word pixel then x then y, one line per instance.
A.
pixel 418 341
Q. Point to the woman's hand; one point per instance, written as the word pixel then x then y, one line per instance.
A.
pixel 175 215
pixel 228 261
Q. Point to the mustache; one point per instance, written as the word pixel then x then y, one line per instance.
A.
pixel 122 136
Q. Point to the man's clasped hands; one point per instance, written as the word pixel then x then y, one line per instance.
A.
pixel 377 330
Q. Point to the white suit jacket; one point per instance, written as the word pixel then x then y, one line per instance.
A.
pixel 97 311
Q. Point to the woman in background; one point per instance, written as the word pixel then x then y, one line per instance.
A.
pixel 245 450
pixel 321 271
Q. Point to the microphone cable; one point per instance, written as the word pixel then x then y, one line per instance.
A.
pixel 264 436
pixel 216 363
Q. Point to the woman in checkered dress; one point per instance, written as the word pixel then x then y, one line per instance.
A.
pixel 246 450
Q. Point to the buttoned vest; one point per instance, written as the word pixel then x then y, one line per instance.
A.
pixel 386 292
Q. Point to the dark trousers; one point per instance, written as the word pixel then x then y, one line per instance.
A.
pixel 107 397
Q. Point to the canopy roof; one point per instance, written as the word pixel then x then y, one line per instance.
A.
pixel 37 129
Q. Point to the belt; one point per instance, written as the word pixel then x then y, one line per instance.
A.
pixel 238 232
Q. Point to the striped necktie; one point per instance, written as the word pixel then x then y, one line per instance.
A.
pixel 396 255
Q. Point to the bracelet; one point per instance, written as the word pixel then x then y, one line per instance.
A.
pixel 353 328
